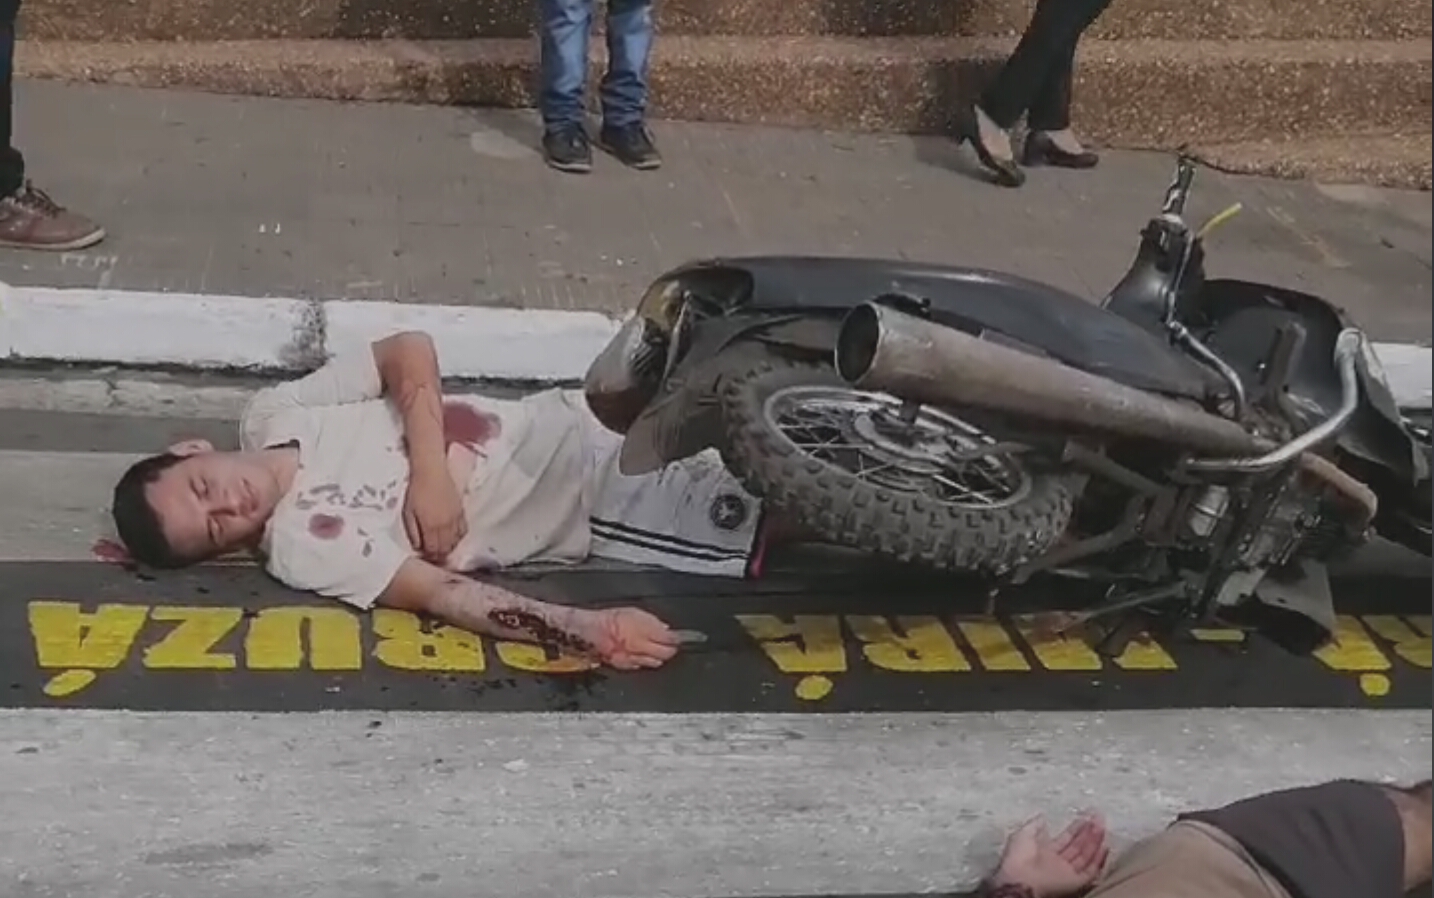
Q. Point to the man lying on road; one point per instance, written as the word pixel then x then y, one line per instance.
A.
pixel 1344 839
pixel 362 482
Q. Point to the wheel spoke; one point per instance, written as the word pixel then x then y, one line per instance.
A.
pixel 935 454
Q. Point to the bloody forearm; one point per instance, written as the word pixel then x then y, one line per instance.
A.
pixel 495 611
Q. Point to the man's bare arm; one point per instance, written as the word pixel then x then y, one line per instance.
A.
pixel 625 638
pixel 433 506
pixel 407 365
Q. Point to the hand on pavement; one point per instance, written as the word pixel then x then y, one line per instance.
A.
pixel 1054 867
pixel 630 638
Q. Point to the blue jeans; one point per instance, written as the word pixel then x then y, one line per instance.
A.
pixel 12 164
pixel 566 25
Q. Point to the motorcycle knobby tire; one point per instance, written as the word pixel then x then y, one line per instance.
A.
pixel 848 511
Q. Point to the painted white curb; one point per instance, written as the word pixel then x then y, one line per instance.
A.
pixel 122 327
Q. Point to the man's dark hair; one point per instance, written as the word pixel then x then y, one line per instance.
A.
pixel 135 519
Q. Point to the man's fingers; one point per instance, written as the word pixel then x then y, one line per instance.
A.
pixel 1101 860
pixel 1069 845
pixel 1067 837
pixel 1087 845
pixel 415 533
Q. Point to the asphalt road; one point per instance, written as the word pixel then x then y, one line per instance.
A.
pixel 841 730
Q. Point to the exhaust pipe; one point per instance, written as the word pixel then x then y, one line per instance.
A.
pixel 889 351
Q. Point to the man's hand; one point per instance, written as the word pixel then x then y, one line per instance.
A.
pixel 433 513
pixel 1054 868
pixel 628 638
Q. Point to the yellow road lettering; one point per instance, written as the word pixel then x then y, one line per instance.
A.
pixel 1144 653
pixel 1055 651
pixel 67 637
pixel 1408 636
pixel 275 640
pixel 538 659
pixel 407 643
pixel 190 645
pixel 1218 634
pixel 993 646
pixel 809 643
pixel 918 644
pixel 1352 649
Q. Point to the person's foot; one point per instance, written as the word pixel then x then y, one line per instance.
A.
pixel 567 149
pixel 632 145
pixel 1060 148
pixel 30 219
pixel 1048 867
pixel 992 145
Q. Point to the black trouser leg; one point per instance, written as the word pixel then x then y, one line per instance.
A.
pixel 1036 79
pixel 12 164
pixel 1051 107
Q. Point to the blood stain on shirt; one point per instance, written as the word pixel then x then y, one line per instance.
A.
pixel 326 526
pixel 466 426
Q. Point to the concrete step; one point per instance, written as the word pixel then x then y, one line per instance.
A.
pixel 208 20
pixel 1139 94
pixel 1380 160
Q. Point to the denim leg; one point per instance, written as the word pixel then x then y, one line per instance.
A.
pixel 564 64
pixel 629 46
pixel 12 164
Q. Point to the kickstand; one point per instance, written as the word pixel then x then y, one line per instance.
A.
pixel 1131 615
pixel 1116 637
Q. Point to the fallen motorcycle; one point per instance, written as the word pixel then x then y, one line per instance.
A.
pixel 1201 446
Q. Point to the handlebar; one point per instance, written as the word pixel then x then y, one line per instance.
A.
pixel 1179 190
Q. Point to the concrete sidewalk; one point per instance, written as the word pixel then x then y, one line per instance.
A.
pixel 359 805
pixel 241 197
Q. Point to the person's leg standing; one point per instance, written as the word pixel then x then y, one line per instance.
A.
pixel 29 219
pixel 12 163
pixel 1047 45
pixel 1054 28
pixel 1049 117
pixel 564 67
pixel 624 86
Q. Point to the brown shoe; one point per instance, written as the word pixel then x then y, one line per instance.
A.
pixel 29 219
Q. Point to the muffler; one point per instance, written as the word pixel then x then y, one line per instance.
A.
pixel 882 349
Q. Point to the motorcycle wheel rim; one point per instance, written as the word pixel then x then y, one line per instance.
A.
pixel 859 433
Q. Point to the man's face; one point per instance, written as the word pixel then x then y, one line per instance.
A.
pixel 213 502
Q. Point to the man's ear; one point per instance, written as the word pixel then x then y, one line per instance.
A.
pixel 191 447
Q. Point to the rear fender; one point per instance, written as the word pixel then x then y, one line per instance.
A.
pixel 683 418
pixel 1245 318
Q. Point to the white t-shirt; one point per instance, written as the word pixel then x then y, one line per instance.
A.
pixel 339 530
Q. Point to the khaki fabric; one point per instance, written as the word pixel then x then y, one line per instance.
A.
pixel 1188 860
